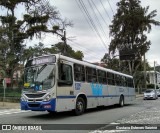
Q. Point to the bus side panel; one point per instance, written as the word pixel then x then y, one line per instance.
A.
pixel 104 96
pixel 132 94
pixel 85 88
pixel 97 94
pixel 65 99
pixel 112 93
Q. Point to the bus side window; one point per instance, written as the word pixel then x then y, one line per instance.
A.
pixel 91 75
pixel 65 75
pixel 131 82
pixel 110 78
pixel 117 79
pixel 79 73
pixel 102 77
pixel 125 81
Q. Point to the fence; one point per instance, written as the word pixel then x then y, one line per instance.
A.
pixel 10 94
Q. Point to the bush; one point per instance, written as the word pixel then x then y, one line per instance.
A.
pixel 151 86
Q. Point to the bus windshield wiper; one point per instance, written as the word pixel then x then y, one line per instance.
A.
pixel 42 68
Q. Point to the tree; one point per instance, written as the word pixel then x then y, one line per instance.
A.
pixel 111 63
pixel 38 50
pixel 128 29
pixel 40 17
pixel 33 51
pixel 122 66
pixel 59 48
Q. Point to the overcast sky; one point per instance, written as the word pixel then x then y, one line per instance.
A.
pixel 84 37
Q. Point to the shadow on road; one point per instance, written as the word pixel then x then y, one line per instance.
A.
pixel 62 115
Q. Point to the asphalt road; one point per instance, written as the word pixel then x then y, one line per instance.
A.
pixel 139 112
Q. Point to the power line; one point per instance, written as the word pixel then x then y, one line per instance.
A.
pixel 88 51
pixel 105 10
pixel 86 17
pixel 71 41
pixel 110 6
pixel 97 20
pixel 99 12
pixel 78 44
pixel 91 21
pixel 85 50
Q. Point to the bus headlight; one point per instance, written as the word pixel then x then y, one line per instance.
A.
pixel 23 98
pixel 47 98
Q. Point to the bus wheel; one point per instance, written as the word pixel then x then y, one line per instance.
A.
pixel 80 106
pixel 121 101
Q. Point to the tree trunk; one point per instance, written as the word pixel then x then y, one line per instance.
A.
pixel 130 68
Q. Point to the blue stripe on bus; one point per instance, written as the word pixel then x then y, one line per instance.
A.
pixel 66 96
pixel 89 96
pixel 104 96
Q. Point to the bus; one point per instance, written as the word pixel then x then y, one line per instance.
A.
pixel 57 83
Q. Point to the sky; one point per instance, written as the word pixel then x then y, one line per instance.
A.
pixel 87 40
pixel 82 35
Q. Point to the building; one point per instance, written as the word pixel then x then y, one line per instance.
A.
pixel 102 64
pixel 153 77
pixel 17 75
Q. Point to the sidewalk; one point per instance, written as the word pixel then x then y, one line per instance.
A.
pixel 139 95
pixel 9 105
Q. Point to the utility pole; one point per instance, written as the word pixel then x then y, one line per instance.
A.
pixel 154 75
pixel 64 41
pixel 145 85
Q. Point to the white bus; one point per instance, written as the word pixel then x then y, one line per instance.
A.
pixel 56 83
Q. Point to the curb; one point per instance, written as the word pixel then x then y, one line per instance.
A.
pixel 141 95
pixel 9 105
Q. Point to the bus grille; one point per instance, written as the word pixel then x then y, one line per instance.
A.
pixel 33 105
pixel 35 95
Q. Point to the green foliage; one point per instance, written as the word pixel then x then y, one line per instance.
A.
pixel 55 28
pixel 152 86
pixel 122 66
pixel 128 29
pixel 39 18
pixel 38 50
pixel 157 68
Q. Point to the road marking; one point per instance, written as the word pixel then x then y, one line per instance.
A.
pixel 11 111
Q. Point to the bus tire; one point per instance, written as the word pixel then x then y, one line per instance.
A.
pixel 80 106
pixel 121 101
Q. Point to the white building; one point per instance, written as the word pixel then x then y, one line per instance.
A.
pixel 153 77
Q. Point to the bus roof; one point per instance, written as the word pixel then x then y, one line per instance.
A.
pixel 85 64
pixel 91 65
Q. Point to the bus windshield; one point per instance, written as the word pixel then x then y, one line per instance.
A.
pixel 40 77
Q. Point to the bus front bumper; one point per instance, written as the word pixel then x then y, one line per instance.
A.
pixel 39 106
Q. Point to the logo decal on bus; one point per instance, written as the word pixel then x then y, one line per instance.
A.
pixel 96 89
pixel 77 86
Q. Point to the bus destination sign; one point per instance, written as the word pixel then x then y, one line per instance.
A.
pixel 43 60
